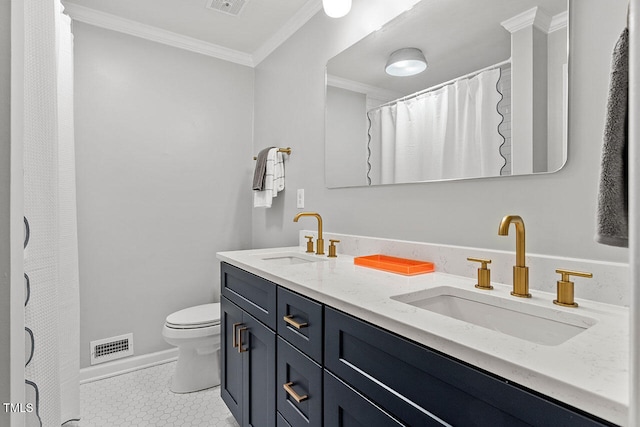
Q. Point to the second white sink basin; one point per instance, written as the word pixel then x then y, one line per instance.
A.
pixel 289 258
pixel 540 325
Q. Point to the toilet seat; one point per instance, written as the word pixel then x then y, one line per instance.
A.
pixel 200 316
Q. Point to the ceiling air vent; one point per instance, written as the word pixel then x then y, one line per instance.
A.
pixel 230 7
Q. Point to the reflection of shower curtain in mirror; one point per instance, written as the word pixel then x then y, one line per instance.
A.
pixel 451 132
pixel 51 253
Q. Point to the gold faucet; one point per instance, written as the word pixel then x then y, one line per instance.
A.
pixel 520 270
pixel 320 241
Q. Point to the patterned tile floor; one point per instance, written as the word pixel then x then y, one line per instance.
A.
pixel 142 398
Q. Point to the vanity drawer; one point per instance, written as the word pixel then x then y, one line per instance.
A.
pixel 303 326
pixel 345 407
pixel 253 294
pixel 303 377
pixel 419 386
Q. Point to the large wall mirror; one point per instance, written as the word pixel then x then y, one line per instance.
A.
pixel 491 102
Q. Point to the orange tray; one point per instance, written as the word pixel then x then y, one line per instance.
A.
pixel 408 267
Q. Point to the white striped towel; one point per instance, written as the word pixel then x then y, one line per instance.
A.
pixel 273 180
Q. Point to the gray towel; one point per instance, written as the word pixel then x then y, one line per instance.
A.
pixel 613 216
pixel 261 169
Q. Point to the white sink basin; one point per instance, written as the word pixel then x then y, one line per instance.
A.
pixel 540 325
pixel 289 258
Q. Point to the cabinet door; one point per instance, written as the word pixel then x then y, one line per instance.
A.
pixel 258 344
pixel 230 359
pixel 304 378
pixel 344 407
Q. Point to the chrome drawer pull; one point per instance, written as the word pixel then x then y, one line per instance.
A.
pixel 291 392
pixel 289 320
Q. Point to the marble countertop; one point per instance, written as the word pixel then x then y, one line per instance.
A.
pixel 589 371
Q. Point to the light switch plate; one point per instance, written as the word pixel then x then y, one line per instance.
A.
pixel 300 199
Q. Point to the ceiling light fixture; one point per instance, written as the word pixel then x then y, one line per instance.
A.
pixel 336 8
pixel 404 62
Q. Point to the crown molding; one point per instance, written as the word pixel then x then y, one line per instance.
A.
pixel 148 32
pixel 535 17
pixel 354 86
pixel 559 21
pixel 308 10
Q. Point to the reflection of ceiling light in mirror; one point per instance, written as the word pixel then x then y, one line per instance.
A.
pixel 336 8
pixel 404 62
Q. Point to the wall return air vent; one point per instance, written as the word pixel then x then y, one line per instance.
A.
pixel 230 7
pixel 111 348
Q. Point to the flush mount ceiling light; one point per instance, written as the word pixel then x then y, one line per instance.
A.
pixel 406 62
pixel 336 8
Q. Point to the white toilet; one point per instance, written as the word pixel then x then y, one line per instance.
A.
pixel 196 333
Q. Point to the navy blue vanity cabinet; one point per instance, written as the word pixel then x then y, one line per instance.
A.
pixel 299 376
pixel 248 348
pixel 289 361
pixel 419 386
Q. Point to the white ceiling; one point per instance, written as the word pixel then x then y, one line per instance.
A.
pixel 259 28
pixel 263 25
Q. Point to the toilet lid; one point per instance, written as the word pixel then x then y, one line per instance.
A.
pixel 199 316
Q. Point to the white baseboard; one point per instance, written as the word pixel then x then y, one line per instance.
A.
pixel 129 364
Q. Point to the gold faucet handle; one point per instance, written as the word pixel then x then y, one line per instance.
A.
pixel 566 288
pixel 484 274
pixel 309 244
pixel 481 260
pixel 567 273
pixel 332 248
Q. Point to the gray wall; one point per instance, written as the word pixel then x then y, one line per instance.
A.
pixel 164 160
pixel 346 138
pixel 558 209
pixel 5 169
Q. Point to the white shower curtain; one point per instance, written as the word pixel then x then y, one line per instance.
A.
pixel 451 132
pixel 51 252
